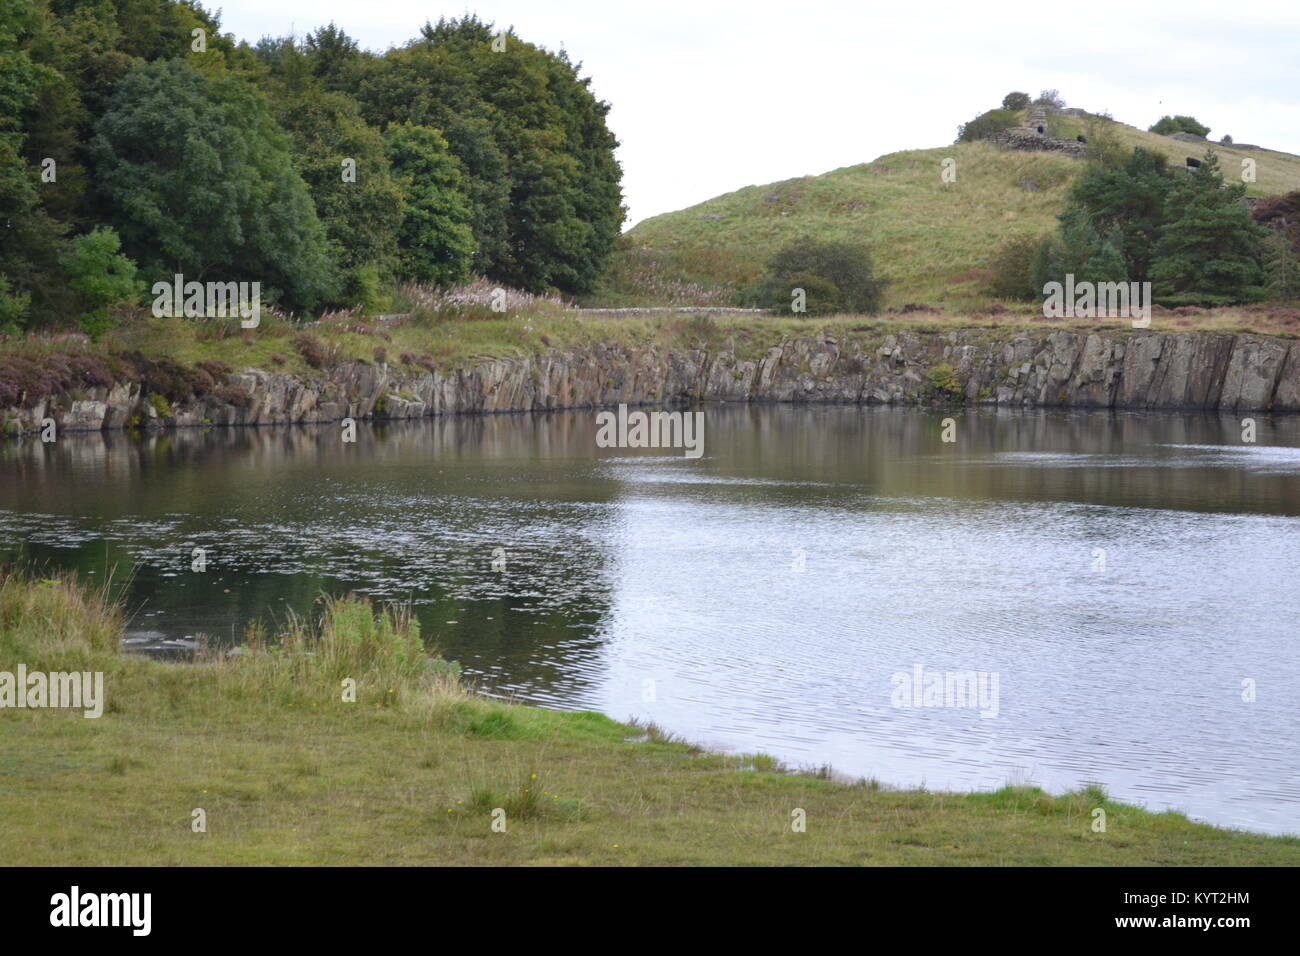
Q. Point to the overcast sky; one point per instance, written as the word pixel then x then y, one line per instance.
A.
pixel 708 97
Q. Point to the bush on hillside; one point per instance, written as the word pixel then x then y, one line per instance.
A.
pixel 1168 125
pixel 1015 268
pixel 835 277
pixel 313 351
pixel 986 125
pixel 1051 99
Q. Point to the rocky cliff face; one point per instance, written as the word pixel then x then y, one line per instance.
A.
pixel 1008 367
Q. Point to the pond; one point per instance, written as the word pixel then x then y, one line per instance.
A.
pixel 1055 597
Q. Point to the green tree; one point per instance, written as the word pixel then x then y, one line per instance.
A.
pixel 1130 198
pixel 1087 252
pixel 30 239
pixel 334 57
pixel 435 242
pixel 535 151
pixel 202 182
pixel 1209 248
pixel 342 159
pixel 1282 268
pixel 1015 101
pixel 101 277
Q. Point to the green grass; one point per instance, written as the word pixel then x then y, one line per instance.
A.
pixel 933 240
pixel 414 770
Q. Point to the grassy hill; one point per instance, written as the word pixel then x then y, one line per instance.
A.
pixel 933 239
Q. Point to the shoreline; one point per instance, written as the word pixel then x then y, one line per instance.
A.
pixel 416 768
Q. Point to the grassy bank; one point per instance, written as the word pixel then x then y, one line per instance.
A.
pixel 411 772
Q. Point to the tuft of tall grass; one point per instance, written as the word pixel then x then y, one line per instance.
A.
pixel 480 299
pixel 57 619
pixel 381 650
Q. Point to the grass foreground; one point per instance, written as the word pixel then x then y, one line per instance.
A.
pixel 417 768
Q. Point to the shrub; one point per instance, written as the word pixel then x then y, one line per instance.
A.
pixel 158 375
pixel 381 355
pixel 1168 125
pixel 160 405
pixel 821 296
pixel 835 276
pixel 91 370
pixel 700 331
pixel 277 358
pixel 25 379
pixel 1015 101
pixel 986 125
pixel 313 351
pixel 201 382
pixel 1015 269
pixel 942 383
pixel 216 368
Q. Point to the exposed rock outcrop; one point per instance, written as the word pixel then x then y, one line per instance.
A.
pixel 1009 367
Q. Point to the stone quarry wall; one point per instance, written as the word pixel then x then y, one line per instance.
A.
pixel 1004 367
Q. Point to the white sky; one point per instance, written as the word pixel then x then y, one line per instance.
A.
pixel 708 97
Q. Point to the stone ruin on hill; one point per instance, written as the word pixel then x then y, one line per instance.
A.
pixel 1033 136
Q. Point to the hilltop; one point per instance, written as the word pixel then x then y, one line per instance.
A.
pixel 934 240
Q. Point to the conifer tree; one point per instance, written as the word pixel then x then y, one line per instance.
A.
pixel 1209 247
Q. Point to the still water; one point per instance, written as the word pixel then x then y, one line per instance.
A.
pixel 1122 580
